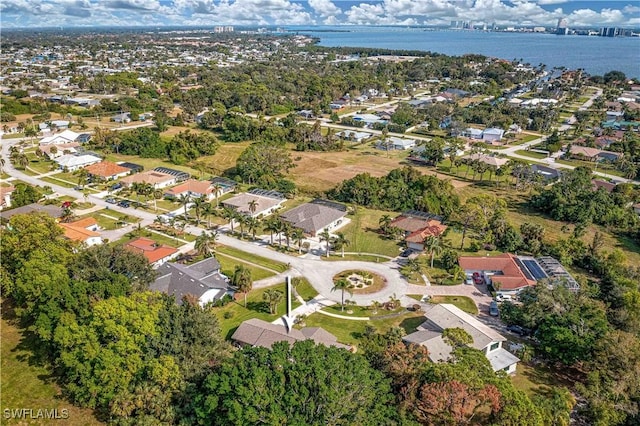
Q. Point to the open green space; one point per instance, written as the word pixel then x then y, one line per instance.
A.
pixel 57 181
pixel 602 167
pixel 537 379
pixel 234 313
pixel 25 383
pixel 158 238
pixel 361 311
pixel 350 332
pixel 152 163
pixel 531 154
pixel 362 233
pixel 228 265
pixel 252 258
pixel 463 302
pixel 306 290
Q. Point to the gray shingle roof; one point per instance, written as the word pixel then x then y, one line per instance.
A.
pixel 312 217
pixel 179 280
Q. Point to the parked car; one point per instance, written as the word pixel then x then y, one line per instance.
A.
pixel 116 186
pixel 468 281
pixel 477 278
pixel 493 309
pixel 523 331
pixel 504 298
pixel 124 203
pixel 110 200
pixel 78 188
pixel 406 253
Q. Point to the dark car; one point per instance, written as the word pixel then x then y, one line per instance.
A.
pixel 406 253
pixel 515 329
pixel 124 203
pixel 116 186
pixel 493 309
pixel 110 200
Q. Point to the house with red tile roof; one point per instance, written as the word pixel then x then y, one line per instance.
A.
pixel 107 170
pixel 192 188
pixel 83 231
pixel 418 226
pixel 503 269
pixel 156 254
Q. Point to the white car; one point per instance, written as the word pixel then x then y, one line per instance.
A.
pixel 468 281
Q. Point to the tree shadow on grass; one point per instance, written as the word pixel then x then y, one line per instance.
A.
pixel 262 307
pixel 409 325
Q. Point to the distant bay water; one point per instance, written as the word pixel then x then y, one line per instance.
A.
pixel 596 55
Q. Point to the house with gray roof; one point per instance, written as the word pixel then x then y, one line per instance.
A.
pixel 443 316
pixel 55 211
pixel 317 216
pixel 256 332
pixel 202 280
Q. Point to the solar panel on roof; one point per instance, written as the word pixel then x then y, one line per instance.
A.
pixel 535 269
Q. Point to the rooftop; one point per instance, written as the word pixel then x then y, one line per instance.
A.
pixel 150 249
pixel 508 274
pixel 106 169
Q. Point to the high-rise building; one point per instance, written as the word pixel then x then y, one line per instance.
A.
pixel 563 26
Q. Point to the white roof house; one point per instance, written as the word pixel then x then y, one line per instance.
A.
pixel 64 137
pixel 393 142
pixel 75 162
pixel 445 316
pixel 492 134
pixel 353 135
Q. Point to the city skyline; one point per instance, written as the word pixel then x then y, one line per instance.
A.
pixel 87 13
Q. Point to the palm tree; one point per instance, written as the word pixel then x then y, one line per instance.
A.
pixel 272 297
pixel 206 243
pixel 198 204
pixel 208 211
pixel 242 281
pixel 217 188
pixel 252 226
pixel 325 236
pixel 272 226
pixel 457 273
pixel 243 221
pixel 385 222
pixel 297 235
pixel 230 215
pixel 184 200
pixel 340 242
pixel 157 195
pixel 342 285
pixel 253 206
pixel 21 160
pixel 375 305
pixel 432 244
pixel 414 266
pixel 287 230
pixel 2 163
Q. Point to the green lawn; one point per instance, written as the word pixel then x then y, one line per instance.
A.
pixel 152 163
pixel 158 238
pixel 531 154
pixel 228 265
pixel 306 291
pixel 25 383
pixel 256 308
pixel 363 235
pixel 53 180
pixel 350 332
pixel 359 311
pixel 335 256
pixel 252 258
pixel 463 302
pixel 538 379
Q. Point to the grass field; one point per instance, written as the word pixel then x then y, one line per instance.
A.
pixel 233 314
pixel 224 158
pixel 252 258
pixel 363 235
pixel 26 384
pixel 531 154
pixel 463 302
pixel 306 291
pixel 350 332
pixel 228 265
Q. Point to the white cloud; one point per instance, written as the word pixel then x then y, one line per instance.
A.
pixel 325 8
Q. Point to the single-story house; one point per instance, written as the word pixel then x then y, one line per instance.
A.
pixel 60 124
pixel 83 231
pixel 193 189
pixel 107 170
pixel 472 133
pixel 492 134
pixel 156 254
pixel 417 227
pixel 368 119
pixel 83 137
pixel 52 151
pixel 5 196
pixel 157 179
pixel 393 142
pixel 445 316
pixel 547 173
pixel 60 138
pixel 125 117
pixel 256 332
pixel 305 113
pixel 593 154
pixel 354 136
pixel 317 216
pixel 51 210
pixel 607 186
pixel 489 159
pixel 503 271
pixel 256 202
pixel 202 280
pixel 73 162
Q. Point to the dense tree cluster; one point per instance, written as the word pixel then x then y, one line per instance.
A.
pixel 401 189
pixel 574 200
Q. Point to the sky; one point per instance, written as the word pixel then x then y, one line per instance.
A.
pixel 93 13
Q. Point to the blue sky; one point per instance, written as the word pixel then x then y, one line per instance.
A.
pixel 68 13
